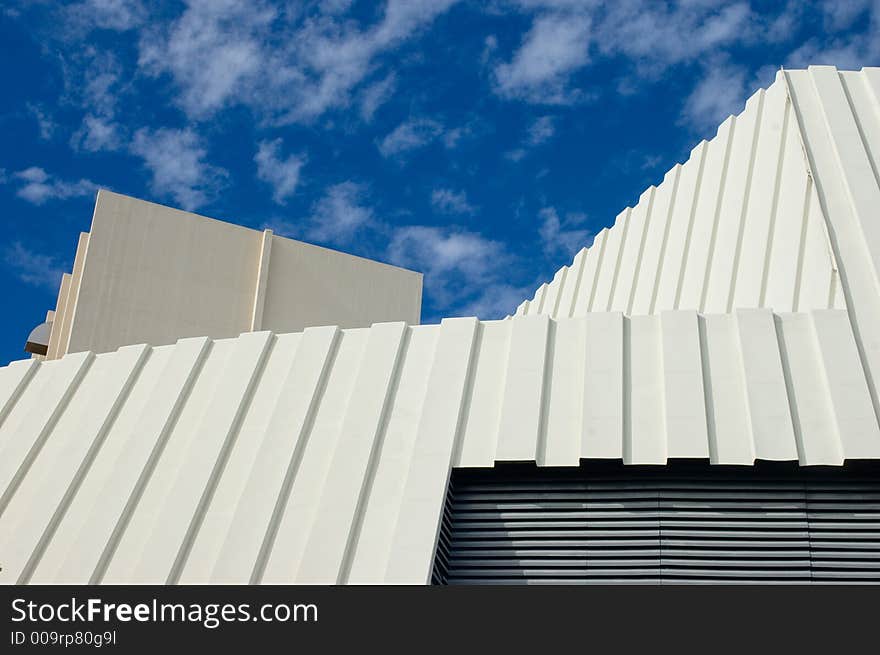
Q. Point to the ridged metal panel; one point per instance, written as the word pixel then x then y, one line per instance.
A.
pixel 675 526
pixel 324 456
pixel 778 211
pixel 744 221
pixel 838 115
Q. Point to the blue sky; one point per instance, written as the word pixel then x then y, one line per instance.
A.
pixel 482 143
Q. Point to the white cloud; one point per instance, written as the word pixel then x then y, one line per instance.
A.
pixel 490 46
pixel 555 46
pixel 38 187
pixel 458 265
pixel 495 300
pixel 721 91
pixel 715 96
pixel 403 17
pixel 331 7
pixel 281 174
pixel 336 218
pixel 651 161
pixel 847 52
pixel 45 123
pixel 566 35
pixel 657 35
pixel 465 272
pixel 376 95
pixel 541 131
pixel 101 82
pixel 176 160
pixel 289 66
pixel 211 50
pixel 95 79
pixel 410 135
pixel 474 127
pixel 97 133
pixel 448 201
pixel 33 268
pixel 444 250
pixel 340 214
pixel 562 236
pixel 119 15
pixel 452 137
pixel 841 14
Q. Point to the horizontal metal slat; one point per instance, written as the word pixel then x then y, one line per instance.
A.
pixel 737 527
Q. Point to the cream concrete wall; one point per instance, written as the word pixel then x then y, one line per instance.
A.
pixel 66 319
pixel 155 274
pixel 60 309
pixel 309 285
pixel 146 273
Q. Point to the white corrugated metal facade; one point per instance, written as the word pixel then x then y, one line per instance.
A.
pixel 323 456
pixel 739 224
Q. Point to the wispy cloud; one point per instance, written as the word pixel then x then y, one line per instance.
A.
pixel 495 300
pixel 715 96
pixel 449 201
pixel 720 92
pixel 555 46
pixel 289 66
pixel 45 123
pixel 33 268
pixel 96 82
pixel 97 133
pixel 651 161
pixel 657 35
pixel 540 131
pixel 101 83
pixel 340 214
pixel 841 15
pixel 845 50
pixel 175 159
pixel 566 36
pixel 376 95
pixel 282 174
pixel 38 187
pixel 473 128
pixel 213 51
pixel 562 236
pixel 119 15
pixel 459 265
pixel 410 135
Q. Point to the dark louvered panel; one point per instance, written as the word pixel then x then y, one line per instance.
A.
pixel 556 530
pixel 844 520
pixel 743 530
pixel 679 524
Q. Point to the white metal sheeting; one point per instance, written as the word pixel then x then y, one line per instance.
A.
pixel 743 222
pixel 839 116
pixel 323 456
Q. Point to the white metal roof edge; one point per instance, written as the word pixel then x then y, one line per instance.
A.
pixel 323 456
